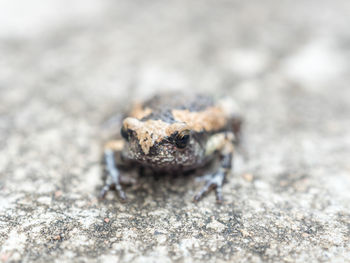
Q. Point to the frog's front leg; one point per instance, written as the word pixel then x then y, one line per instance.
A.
pixel 222 143
pixel 112 151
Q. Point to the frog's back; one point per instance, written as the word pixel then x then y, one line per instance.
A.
pixel 160 107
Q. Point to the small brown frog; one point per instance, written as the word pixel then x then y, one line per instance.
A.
pixel 175 133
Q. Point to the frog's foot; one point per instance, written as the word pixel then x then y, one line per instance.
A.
pixel 112 184
pixel 113 179
pixel 215 181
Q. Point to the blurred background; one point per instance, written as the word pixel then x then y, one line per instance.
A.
pixel 67 65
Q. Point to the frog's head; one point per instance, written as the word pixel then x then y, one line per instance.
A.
pixel 159 143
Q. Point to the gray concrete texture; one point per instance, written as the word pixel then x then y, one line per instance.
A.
pixel 65 67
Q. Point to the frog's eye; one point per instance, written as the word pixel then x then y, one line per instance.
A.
pixel 125 133
pixel 182 139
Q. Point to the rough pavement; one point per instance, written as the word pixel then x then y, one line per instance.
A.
pixel 287 64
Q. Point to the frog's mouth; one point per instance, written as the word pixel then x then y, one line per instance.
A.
pixel 163 156
pixel 159 152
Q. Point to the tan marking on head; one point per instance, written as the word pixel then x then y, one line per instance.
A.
pixel 132 123
pixel 211 119
pixel 176 127
pixel 152 131
pixel 138 111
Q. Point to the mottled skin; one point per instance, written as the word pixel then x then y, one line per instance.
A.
pixel 175 133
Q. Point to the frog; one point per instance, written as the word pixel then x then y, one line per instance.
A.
pixel 175 133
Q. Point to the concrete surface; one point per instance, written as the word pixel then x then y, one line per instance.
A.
pixel 64 68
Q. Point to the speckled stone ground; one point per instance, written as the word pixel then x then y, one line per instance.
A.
pixel 61 73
